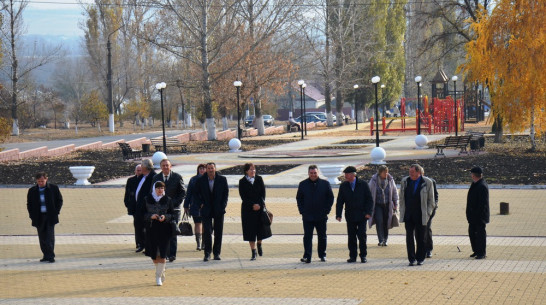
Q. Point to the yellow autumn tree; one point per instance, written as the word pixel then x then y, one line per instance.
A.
pixel 509 56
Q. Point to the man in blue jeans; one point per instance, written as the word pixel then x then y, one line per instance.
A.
pixel 315 199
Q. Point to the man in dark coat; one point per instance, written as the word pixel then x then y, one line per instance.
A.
pixel 174 189
pixel 315 199
pixel 477 213
pixel 144 188
pixel 130 199
pixel 211 194
pixel 357 197
pixel 44 203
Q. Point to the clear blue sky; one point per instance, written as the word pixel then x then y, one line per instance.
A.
pixel 53 17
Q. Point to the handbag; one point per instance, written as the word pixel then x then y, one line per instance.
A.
pixel 185 226
pixel 267 216
pixel 394 221
pixel 174 228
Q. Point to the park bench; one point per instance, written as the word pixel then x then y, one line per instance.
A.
pixel 477 140
pixel 128 152
pixel 460 142
pixel 158 144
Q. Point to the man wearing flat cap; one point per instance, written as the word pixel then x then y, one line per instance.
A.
pixel 355 194
pixel 477 212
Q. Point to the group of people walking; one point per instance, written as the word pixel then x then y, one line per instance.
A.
pixel 155 200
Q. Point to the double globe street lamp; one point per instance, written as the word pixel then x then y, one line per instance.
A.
pixel 160 87
pixel 378 154
pixel 301 83
pixel 420 140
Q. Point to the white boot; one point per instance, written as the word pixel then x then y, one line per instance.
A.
pixel 163 272
pixel 158 272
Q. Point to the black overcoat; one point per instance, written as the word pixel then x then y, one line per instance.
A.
pixel 253 226
pixel 53 201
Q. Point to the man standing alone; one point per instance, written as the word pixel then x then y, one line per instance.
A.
pixel 44 202
pixel 212 196
pixel 174 189
pixel 416 206
pixel 477 212
pixel 315 199
pixel 357 197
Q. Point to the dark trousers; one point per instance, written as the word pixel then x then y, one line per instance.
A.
pixel 46 235
pixel 308 227
pixel 478 236
pixel 215 223
pixel 381 217
pixel 428 238
pixel 173 245
pixel 140 237
pixel 415 232
pixel 357 229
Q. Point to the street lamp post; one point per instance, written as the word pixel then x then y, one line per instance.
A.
pixel 376 80
pixel 418 81
pixel 304 109
pixel 237 85
pixel 356 106
pixel 160 87
pixel 301 82
pixel 454 79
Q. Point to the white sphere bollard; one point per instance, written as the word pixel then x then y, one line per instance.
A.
pixel 378 155
pixel 82 173
pixel 332 171
pixel 234 145
pixel 421 141
pixel 157 157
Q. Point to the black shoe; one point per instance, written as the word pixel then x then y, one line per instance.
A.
pixel 253 258
pixel 323 259
pixel 351 260
pixel 217 258
pixel 206 258
pixel 260 250
pixel 473 255
pixel 305 260
pixel 363 260
pixel 172 259
pixel 419 263
pixel 480 256
pixel 411 263
pixel 380 244
pixel 429 254
pixel 140 249
pixel 384 243
pixel 51 260
pixel 43 260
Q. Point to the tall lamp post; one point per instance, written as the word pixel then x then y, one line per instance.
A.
pixel 301 82
pixel 418 81
pixel 356 106
pixel 160 87
pixel 304 109
pixel 376 80
pixel 377 154
pixel 454 79
pixel 237 85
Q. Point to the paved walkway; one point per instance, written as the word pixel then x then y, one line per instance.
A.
pixel 96 262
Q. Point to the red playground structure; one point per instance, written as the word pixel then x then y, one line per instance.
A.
pixel 439 117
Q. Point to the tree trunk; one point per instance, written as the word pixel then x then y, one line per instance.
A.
pixel 532 131
pixel 497 129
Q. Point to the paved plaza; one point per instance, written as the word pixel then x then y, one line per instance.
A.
pixel 96 262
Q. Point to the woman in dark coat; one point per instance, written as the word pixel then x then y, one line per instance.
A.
pixel 193 209
pixel 158 213
pixel 252 192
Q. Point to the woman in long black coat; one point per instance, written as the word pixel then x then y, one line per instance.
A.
pixel 159 211
pixel 252 192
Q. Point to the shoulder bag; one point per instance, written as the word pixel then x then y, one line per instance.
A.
pixel 185 226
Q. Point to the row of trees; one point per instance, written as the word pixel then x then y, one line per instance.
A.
pixel 199 47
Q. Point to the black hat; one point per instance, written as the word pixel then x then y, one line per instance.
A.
pixel 349 169
pixel 476 170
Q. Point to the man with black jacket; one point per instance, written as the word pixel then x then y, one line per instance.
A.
pixel 315 199
pixel 44 203
pixel 211 195
pixel 144 188
pixel 130 199
pixel 357 197
pixel 174 188
pixel 477 213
